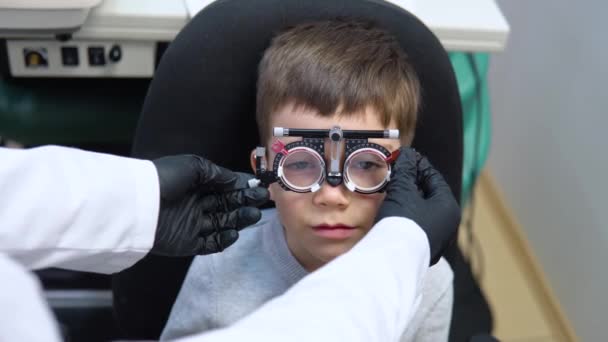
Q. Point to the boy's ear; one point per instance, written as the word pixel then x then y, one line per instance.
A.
pixel 252 160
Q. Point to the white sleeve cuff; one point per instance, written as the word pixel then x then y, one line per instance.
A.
pixel 147 205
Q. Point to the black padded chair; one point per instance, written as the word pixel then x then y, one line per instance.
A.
pixel 202 101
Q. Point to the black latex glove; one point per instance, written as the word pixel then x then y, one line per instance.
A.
pixel 417 191
pixel 202 206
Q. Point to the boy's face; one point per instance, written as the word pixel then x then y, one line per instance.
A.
pixel 322 225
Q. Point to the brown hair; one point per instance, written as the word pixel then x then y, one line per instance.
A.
pixel 343 65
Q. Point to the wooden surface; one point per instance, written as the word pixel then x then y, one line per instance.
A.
pixel 522 301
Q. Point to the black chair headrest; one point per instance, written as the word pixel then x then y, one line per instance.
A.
pixel 202 98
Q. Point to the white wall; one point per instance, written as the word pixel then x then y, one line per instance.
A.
pixel 549 153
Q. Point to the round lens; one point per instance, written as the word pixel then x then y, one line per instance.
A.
pixel 302 168
pixel 366 169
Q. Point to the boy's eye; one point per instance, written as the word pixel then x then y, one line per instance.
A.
pixel 366 165
pixel 299 165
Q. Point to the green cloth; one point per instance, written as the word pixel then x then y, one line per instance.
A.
pixel 471 73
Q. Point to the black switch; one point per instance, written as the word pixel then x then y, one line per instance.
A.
pixel 69 55
pixel 97 56
pixel 115 54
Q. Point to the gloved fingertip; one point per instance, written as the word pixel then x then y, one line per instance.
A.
pixel 228 237
pixel 248 216
pixel 409 152
pixel 242 180
pixel 233 234
pixel 431 181
pixel 424 163
pixel 406 162
pixel 258 196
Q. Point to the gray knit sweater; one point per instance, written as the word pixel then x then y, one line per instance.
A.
pixel 222 288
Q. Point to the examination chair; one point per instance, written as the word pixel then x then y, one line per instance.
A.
pixel 202 101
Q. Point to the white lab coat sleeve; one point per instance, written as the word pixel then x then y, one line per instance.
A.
pixel 79 210
pixel 24 313
pixel 367 294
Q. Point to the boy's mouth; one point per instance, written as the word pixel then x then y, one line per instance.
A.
pixel 334 231
pixel 333 226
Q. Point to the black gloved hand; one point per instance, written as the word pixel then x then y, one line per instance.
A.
pixel 417 191
pixel 202 206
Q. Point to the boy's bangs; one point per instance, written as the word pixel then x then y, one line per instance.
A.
pixel 337 68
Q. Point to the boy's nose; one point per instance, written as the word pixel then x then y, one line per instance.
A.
pixel 331 196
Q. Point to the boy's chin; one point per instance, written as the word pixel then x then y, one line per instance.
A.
pixel 330 253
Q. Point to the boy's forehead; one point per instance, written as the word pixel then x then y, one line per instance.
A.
pixel 303 118
pixel 300 117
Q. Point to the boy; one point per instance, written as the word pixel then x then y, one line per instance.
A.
pixel 315 75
